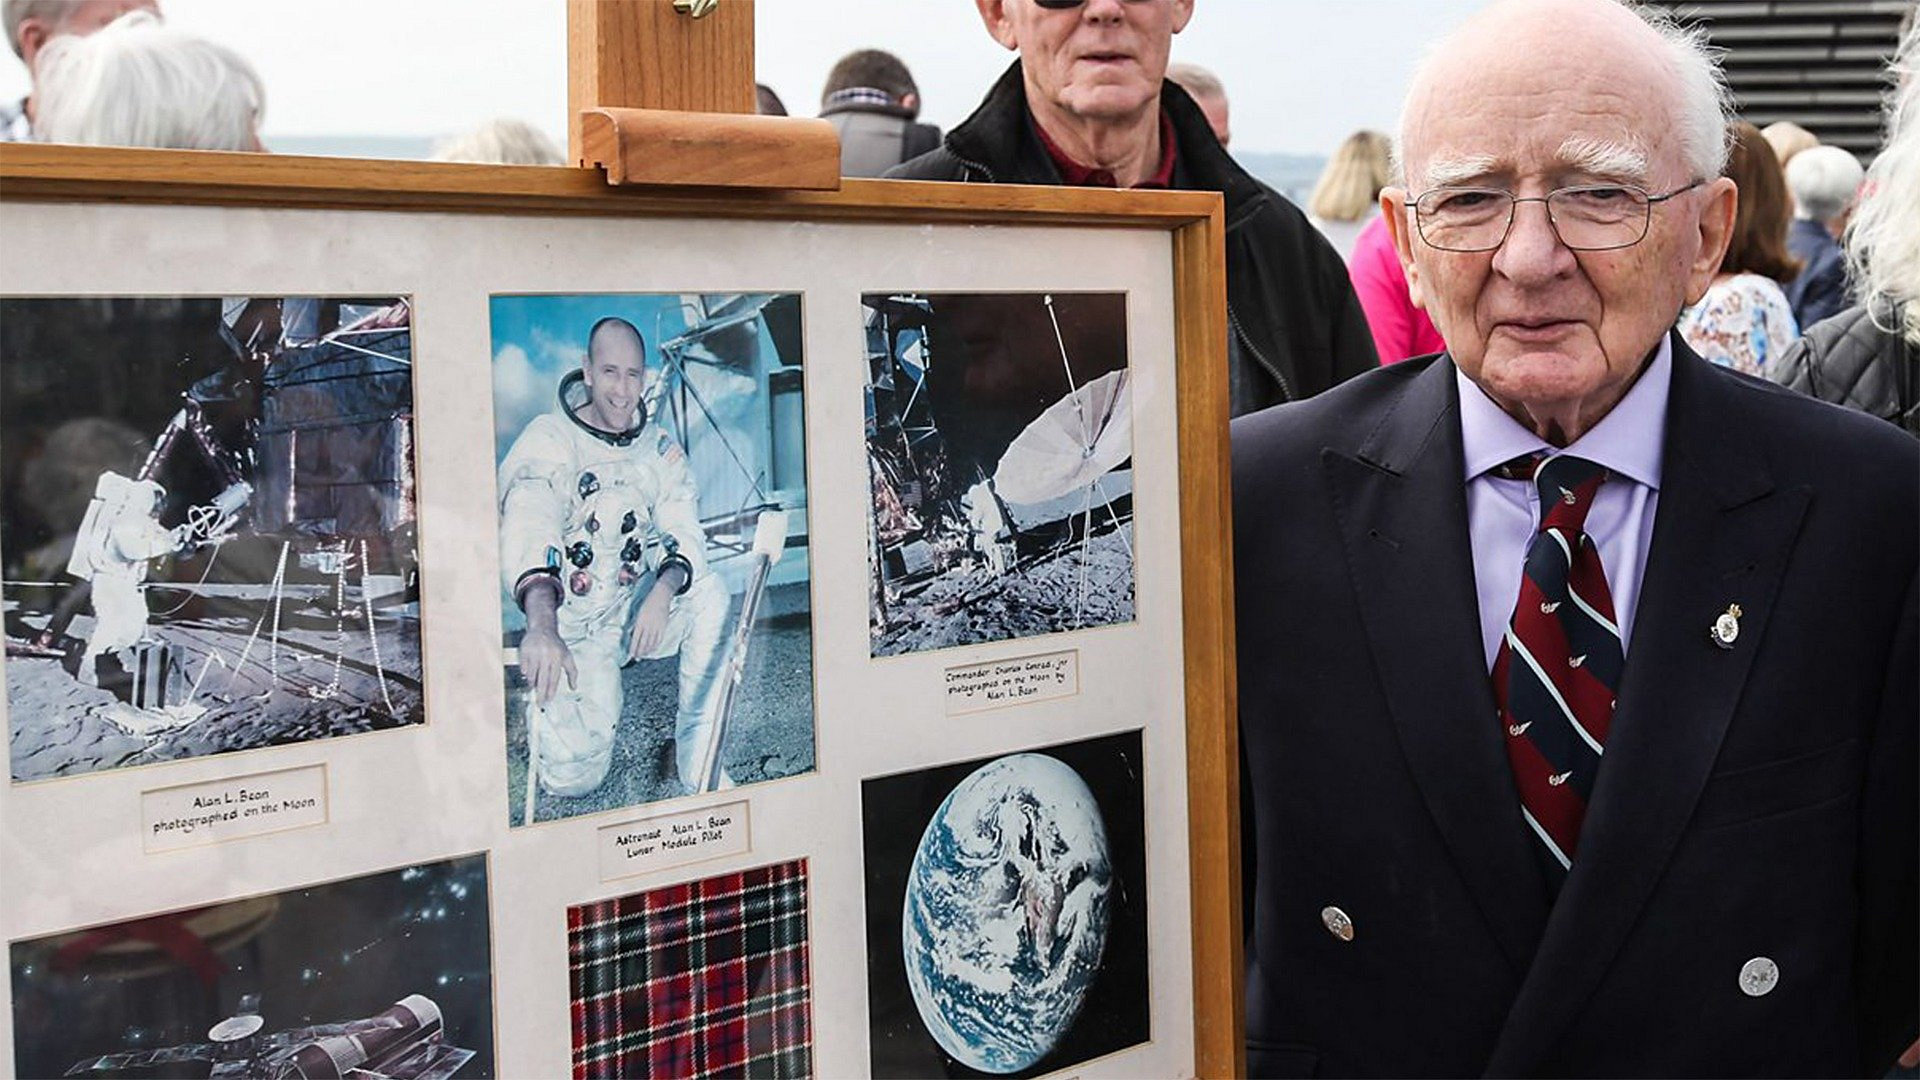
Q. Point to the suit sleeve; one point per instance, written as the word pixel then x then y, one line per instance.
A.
pixel 678 512
pixel 1886 970
pixel 533 508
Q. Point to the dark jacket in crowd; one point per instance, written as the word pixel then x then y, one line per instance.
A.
pixel 1851 361
pixel 874 137
pixel 1821 289
pixel 1294 325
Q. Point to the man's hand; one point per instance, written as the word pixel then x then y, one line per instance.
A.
pixel 1911 1057
pixel 650 622
pixel 544 658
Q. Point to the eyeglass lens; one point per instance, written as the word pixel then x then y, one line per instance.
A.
pixel 1586 218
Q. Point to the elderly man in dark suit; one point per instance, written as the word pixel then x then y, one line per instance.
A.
pixel 1577 676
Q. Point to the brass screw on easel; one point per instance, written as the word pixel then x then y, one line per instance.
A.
pixel 695 8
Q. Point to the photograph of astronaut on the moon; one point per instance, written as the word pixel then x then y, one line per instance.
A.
pixel 386 975
pixel 652 491
pixel 1007 911
pixel 207 512
pixel 1000 454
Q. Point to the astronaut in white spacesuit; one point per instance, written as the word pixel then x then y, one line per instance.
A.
pixel 601 546
pixel 119 536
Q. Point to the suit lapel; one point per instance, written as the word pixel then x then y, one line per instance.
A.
pixel 1721 536
pixel 1401 503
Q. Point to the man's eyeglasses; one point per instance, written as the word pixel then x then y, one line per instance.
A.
pixel 1590 217
pixel 1065 5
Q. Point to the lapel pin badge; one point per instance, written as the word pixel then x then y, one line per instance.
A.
pixel 1726 628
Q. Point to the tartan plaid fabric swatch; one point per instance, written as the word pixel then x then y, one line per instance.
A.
pixel 703 979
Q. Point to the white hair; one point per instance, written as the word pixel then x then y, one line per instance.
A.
pixel 1197 81
pixel 140 82
pixel 1823 180
pixel 500 142
pixel 1705 107
pixel 1883 239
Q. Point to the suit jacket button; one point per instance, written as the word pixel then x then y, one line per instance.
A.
pixel 1759 976
pixel 1337 923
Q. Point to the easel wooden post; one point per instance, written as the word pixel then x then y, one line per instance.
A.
pixel 661 96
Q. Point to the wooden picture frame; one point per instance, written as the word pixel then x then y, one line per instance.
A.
pixel 1193 227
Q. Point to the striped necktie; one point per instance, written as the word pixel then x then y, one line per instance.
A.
pixel 1559 663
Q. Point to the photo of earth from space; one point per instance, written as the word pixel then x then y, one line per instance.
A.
pixel 1006 912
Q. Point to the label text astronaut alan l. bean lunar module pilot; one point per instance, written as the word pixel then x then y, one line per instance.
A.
pixel 602 548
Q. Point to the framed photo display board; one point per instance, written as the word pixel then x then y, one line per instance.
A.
pixel 473 621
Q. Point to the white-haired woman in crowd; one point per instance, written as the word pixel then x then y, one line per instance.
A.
pixel 141 82
pixel 1868 357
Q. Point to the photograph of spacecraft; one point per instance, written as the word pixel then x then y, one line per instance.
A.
pixel 382 976
pixel 652 486
pixel 403 1042
pixel 1000 452
pixel 207 518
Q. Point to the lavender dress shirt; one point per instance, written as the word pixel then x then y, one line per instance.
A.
pixel 1503 515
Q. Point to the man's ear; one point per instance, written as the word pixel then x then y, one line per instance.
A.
pixel 999 21
pixel 1717 209
pixel 1182 12
pixel 31 36
pixel 1393 212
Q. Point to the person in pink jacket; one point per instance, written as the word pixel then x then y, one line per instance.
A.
pixel 1399 329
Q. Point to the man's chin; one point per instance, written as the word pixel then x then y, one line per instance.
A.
pixel 1545 378
pixel 1108 103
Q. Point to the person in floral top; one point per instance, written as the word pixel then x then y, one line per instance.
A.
pixel 1744 321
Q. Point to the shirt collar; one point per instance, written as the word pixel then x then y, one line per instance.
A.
pixel 1628 440
pixel 1074 174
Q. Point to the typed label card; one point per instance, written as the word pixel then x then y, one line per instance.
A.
pixel 670 840
pixel 233 808
pixel 1021 680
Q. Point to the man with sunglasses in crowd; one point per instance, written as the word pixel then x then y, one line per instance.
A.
pixel 1088 104
pixel 1577 675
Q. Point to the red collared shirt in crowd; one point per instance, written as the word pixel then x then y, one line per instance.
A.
pixel 1075 174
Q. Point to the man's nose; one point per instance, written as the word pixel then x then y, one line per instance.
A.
pixel 1532 249
pixel 1103 10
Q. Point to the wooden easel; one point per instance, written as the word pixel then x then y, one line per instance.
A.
pixel 662 93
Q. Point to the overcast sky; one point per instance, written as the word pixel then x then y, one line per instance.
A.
pixel 1301 74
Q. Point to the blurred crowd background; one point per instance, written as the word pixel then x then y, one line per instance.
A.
pixel 1301 94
